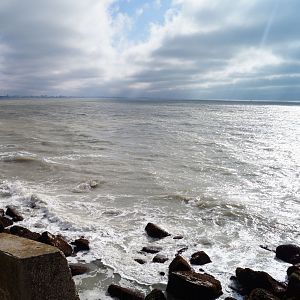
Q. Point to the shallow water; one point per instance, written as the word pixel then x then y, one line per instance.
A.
pixel 225 176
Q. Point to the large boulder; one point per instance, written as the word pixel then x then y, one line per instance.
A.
pixel 123 293
pixel 25 233
pixel 251 280
pixel 5 221
pixel 156 295
pixel 56 241
pixel 179 264
pixel 155 231
pixel 189 285
pixel 260 294
pixel 293 269
pixel 200 258
pixel 14 214
pixel 288 253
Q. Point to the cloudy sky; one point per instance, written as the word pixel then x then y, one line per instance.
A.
pixel 196 49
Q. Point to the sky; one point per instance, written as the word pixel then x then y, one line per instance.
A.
pixel 181 49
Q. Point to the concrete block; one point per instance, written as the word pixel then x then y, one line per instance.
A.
pixel 31 270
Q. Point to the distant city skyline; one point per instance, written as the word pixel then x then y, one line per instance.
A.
pixel 189 49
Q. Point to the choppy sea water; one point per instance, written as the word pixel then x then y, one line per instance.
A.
pixel 226 176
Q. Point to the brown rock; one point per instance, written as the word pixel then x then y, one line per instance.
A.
pixel 293 290
pixel 56 241
pixel 151 249
pixel 6 221
pixel 140 261
pixel 156 295
pixel 81 244
pixel 288 253
pixel 260 294
pixel 200 258
pixel 155 231
pixel 124 293
pixel 12 212
pixel 25 233
pixel 189 285
pixel 293 269
pixel 179 264
pixel 251 280
pixel 159 259
pixel 78 269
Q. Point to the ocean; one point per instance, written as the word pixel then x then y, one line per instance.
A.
pixel 224 175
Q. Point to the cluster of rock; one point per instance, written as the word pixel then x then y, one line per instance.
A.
pixel 11 215
pixel 186 284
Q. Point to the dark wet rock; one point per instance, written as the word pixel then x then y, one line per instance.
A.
pixel 189 285
pixel 251 280
pixel 182 250
pixel 229 298
pixel 266 247
pixel 261 294
pixel 156 295
pixel 5 221
pixel 24 233
pixel 1 212
pixel 179 264
pixel 1 228
pixel 200 258
pixel 151 249
pixel 140 261
pixel 162 273
pixel 293 269
pixel 14 214
pixel 160 259
pixel 293 290
pixel 124 293
pixel 56 241
pixel 81 244
pixel 288 253
pixel 178 237
pixel 78 269
pixel 155 231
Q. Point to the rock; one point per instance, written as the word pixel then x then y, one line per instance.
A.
pixel 31 270
pixel 140 261
pixel 179 264
pixel 189 285
pixel 81 244
pixel 200 258
pixel 162 273
pixel 1 212
pixel 293 289
pixel 151 249
pixel 288 253
pixel 260 294
pixel 155 231
pixel 78 269
pixel 1 228
pixel 251 280
pixel 6 221
pixel 12 212
pixel 24 233
pixel 56 241
pixel 293 269
pixel 124 293
pixel 159 259
pixel 229 298
pixel 178 237
pixel 156 295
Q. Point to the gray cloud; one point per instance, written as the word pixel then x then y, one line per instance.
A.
pixel 62 47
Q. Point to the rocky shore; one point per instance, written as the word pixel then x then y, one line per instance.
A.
pixel 185 282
